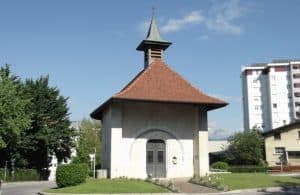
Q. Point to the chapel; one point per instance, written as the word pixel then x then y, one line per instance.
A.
pixel 156 126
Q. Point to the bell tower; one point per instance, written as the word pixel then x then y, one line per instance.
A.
pixel 153 46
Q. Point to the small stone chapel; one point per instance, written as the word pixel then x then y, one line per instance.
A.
pixel 156 126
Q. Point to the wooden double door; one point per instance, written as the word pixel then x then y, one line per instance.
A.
pixel 156 158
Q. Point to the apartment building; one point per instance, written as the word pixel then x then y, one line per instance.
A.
pixel 271 94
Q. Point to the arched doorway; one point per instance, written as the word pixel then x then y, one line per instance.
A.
pixel 156 158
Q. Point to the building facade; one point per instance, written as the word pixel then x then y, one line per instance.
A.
pixel 156 126
pixel 271 94
pixel 282 145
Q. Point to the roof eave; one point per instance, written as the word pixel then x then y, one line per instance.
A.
pixel 146 43
pixel 97 113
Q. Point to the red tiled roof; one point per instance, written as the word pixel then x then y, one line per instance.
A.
pixel 159 83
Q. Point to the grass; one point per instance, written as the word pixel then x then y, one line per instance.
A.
pixel 254 180
pixel 111 186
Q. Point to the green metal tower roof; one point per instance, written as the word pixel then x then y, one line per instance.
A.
pixel 153 32
pixel 153 38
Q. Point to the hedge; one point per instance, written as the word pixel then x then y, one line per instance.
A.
pixel 21 175
pixel 248 169
pixel 71 174
pixel 220 165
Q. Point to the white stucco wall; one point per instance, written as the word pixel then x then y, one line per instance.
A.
pixel 134 123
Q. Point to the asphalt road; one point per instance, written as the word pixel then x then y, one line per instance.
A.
pixel 25 188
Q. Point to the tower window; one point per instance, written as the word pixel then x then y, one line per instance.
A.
pixel 274 105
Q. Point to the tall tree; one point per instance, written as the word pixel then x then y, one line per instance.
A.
pixel 245 148
pixel 89 140
pixel 50 131
pixel 13 115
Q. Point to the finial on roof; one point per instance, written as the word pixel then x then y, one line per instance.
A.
pixel 153 11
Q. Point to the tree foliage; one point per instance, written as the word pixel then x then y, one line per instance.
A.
pixel 245 148
pixel 13 105
pixel 50 131
pixel 34 122
pixel 89 139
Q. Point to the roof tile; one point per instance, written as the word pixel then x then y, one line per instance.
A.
pixel 158 82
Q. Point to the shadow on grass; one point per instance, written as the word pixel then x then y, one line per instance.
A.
pixel 290 188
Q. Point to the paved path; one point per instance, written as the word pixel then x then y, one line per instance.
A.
pixel 25 188
pixel 183 186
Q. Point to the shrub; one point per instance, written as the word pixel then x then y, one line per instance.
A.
pixel 71 174
pixel 27 175
pixel 248 169
pixel 220 165
pixel 21 175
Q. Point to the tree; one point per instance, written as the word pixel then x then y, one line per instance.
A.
pixel 13 105
pixel 245 148
pixel 89 139
pixel 50 131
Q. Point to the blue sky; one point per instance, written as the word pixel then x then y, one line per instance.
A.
pixel 88 47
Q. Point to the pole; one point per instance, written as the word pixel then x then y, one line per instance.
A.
pixel 95 164
pixel 5 169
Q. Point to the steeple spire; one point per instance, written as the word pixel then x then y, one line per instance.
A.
pixel 154 45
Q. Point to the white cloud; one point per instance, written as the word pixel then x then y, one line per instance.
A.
pixel 221 17
pixel 173 25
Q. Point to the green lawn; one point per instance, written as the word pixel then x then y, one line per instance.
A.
pixel 111 186
pixel 255 180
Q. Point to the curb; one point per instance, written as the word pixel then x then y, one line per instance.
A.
pixel 46 193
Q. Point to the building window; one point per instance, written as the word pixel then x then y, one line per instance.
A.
pixel 279 150
pixel 297 85
pixel 296 76
pixel 298 134
pixel 256 107
pixel 274 105
pixel 294 154
pixel 248 72
pixel 296 66
pixel 277 136
pixel 297 94
pixel 280 69
pixel 284 122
